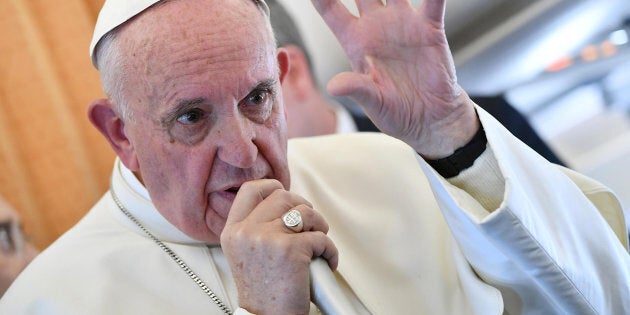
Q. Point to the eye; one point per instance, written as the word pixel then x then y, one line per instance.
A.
pixel 257 97
pixel 190 117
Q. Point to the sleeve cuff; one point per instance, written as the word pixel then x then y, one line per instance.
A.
pixel 462 158
pixel 483 181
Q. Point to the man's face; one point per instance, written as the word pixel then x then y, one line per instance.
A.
pixel 204 92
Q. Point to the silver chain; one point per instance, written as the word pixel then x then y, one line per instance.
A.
pixel 174 256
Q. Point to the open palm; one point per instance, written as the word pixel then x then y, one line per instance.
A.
pixel 403 72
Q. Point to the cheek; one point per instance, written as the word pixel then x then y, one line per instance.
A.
pixel 159 170
pixel 277 125
pixel 177 182
pixel 173 173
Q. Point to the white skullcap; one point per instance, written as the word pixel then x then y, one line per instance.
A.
pixel 113 14
pixel 116 12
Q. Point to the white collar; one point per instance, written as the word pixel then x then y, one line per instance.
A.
pixel 130 178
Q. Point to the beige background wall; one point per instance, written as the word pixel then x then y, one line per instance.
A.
pixel 53 164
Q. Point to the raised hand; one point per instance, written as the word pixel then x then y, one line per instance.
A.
pixel 403 72
pixel 269 261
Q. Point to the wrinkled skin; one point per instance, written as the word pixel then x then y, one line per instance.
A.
pixel 206 107
pixel 403 72
pixel 208 137
pixel 208 131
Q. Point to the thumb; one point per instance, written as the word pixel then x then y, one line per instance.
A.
pixel 358 87
pixel 249 196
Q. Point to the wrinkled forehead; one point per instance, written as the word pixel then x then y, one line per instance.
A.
pixel 115 13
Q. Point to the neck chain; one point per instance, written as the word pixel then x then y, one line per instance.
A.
pixel 173 255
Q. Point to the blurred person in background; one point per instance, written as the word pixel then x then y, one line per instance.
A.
pixel 311 112
pixel 16 251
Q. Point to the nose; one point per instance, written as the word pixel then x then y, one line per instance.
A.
pixel 235 139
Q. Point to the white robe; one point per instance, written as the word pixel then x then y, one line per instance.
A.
pixel 512 234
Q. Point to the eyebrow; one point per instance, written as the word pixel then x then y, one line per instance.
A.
pixel 265 84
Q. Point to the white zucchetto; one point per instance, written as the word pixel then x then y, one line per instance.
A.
pixel 116 12
pixel 113 14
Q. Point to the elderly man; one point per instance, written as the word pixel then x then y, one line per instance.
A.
pixel 209 210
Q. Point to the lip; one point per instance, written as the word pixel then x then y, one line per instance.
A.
pixel 221 199
pixel 229 187
pixel 221 202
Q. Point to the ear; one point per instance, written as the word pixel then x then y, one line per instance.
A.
pixel 283 63
pixel 103 116
pixel 297 80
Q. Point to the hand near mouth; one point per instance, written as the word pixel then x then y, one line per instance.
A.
pixel 269 260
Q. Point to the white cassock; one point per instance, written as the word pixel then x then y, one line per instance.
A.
pixel 512 234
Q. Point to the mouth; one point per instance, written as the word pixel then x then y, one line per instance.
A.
pixel 234 187
pixel 221 200
pixel 233 190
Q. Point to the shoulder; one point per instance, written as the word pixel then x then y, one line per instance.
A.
pixel 355 168
pixel 358 149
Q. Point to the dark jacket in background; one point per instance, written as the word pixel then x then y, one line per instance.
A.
pixel 507 115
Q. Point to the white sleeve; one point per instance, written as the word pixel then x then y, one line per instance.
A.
pixel 529 230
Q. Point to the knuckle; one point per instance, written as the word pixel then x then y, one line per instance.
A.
pixel 238 233
pixel 280 194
